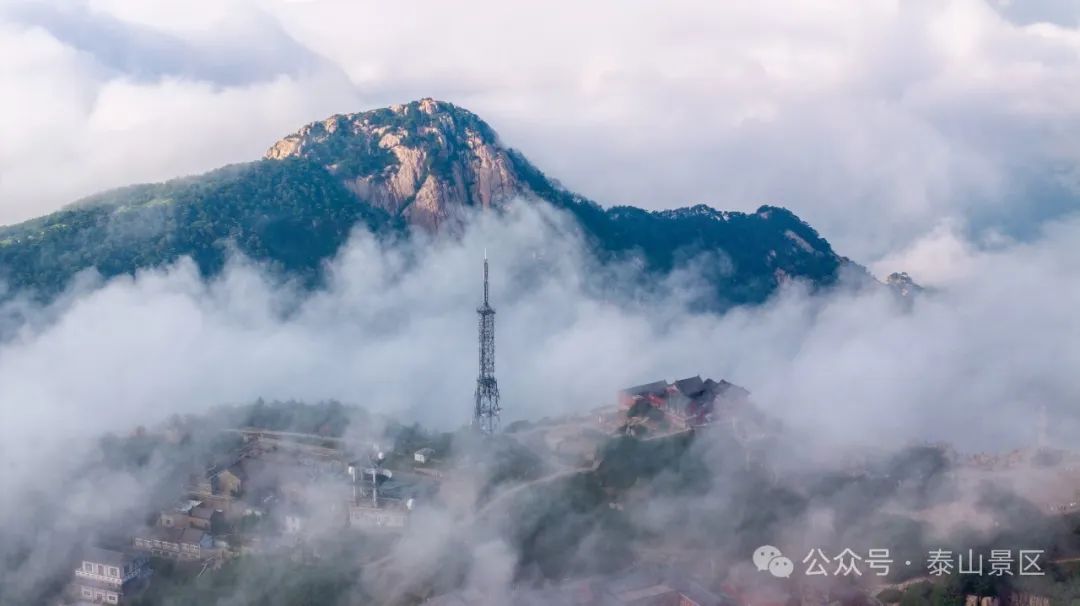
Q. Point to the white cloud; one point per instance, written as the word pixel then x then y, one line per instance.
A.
pixel 873 120
pixel 940 258
pixel 390 332
pixel 916 135
pixel 395 332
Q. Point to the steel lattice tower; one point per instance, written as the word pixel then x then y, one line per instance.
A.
pixel 486 415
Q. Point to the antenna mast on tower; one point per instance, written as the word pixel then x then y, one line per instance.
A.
pixel 486 414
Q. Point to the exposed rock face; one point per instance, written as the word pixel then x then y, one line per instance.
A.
pixel 902 284
pixel 425 161
pixel 426 164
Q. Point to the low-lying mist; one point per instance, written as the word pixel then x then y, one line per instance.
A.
pixel 394 331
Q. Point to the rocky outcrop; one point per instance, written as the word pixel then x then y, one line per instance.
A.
pixel 902 284
pixel 427 161
pixel 427 164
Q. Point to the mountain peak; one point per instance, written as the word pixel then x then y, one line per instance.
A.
pixel 426 160
pixel 903 285
pixel 426 164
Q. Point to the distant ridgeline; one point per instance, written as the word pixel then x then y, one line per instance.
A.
pixel 420 166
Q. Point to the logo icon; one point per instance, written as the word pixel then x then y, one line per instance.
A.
pixel 781 567
pixel 769 558
pixel 763 554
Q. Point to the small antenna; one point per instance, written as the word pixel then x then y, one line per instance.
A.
pixel 485 278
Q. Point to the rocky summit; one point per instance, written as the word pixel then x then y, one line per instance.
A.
pixel 426 165
pixel 425 161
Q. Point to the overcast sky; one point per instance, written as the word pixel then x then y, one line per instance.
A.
pixel 884 123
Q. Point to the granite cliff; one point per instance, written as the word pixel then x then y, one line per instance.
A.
pixel 424 161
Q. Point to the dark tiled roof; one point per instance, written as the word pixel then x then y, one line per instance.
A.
pixel 690 386
pixel 655 387
pixel 108 557
pixel 731 390
pixel 192 536
pixel 203 513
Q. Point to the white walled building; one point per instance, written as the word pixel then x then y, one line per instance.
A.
pixel 105 576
